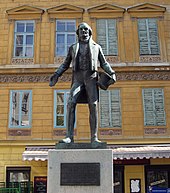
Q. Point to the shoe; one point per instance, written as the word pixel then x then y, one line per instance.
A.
pixel 66 140
pixel 95 141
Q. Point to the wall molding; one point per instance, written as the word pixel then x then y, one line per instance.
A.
pixel 67 77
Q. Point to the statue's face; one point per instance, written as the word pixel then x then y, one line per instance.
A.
pixel 83 32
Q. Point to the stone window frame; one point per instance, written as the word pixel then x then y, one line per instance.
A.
pixel 65 12
pixel 110 11
pixel 24 12
pixel 145 11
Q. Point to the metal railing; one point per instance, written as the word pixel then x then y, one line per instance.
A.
pixel 16 187
pixel 9 190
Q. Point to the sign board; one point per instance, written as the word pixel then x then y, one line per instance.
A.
pixel 40 184
pixel 80 174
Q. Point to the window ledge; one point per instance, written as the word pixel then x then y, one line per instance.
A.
pixel 19 132
pixel 155 131
pixel 150 59
pixel 22 61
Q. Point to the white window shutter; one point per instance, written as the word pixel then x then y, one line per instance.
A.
pixel 104 109
pixel 159 107
pixel 148 36
pixel 149 118
pixel 153 101
pixel 115 108
pixel 107 36
pixel 110 108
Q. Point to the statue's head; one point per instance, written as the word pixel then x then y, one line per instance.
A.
pixel 84 32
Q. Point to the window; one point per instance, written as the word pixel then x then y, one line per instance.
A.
pixel 148 33
pixel 153 104
pixel 148 36
pixel 107 36
pixel 110 108
pixel 60 108
pixel 18 174
pixel 24 34
pixel 20 109
pixel 63 21
pixel 118 185
pixel 24 39
pixel 19 177
pixel 157 178
pixel 65 36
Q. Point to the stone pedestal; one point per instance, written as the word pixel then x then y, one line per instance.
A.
pixel 80 171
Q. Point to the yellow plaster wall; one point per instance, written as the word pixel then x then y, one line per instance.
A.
pixel 163 161
pixel 42 113
pixel 42 125
pixel 43 27
pixel 11 155
pixel 134 172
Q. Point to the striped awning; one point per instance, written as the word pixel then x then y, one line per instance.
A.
pixel 40 153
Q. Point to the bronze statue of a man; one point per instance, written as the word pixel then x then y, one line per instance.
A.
pixel 84 56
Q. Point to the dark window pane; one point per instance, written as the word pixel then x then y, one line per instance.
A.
pixel 29 39
pixel 60 109
pixel 19 51
pixel 60 121
pixel 61 26
pixel 30 27
pixel 71 27
pixel 20 27
pixel 60 38
pixel 71 39
pixel 19 39
pixel 29 52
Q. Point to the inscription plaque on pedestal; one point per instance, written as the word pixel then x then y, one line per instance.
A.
pixel 80 174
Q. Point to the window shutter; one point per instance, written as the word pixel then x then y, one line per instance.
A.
pixel 143 39
pixel 153 35
pixel 107 36
pixel 104 109
pixel 110 108
pixel 115 108
pixel 159 107
pixel 101 34
pixel 112 37
pixel 154 114
pixel 148 36
pixel 148 107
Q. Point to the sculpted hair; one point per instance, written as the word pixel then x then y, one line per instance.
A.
pixel 83 23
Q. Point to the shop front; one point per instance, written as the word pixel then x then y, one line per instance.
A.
pixel 137 169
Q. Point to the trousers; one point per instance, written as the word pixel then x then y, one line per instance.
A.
pixel 83 81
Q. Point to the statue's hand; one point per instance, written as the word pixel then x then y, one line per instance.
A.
pixel 53 79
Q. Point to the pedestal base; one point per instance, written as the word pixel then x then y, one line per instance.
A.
pixel 102 145
pixel 80 171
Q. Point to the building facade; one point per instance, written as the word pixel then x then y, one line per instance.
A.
pixel 134 113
